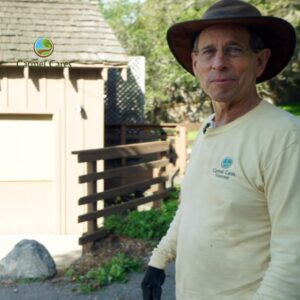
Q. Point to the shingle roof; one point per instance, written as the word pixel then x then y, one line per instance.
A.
pixel 76 27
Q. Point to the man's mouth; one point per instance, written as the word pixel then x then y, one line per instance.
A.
pixel 221 80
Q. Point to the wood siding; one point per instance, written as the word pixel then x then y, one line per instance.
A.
pixel 58 94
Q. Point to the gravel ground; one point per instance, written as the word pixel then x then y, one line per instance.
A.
pixel 61 289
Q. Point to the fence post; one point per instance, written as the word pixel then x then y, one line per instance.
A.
pixel 123 142
pixel 181 148
pixel 123 134
pixel 161 186
pixel 91 207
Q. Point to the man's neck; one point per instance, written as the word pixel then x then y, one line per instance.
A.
pixel 226 113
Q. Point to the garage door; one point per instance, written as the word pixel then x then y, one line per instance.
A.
pixel 27 170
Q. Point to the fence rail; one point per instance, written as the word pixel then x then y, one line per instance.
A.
pixel 151 173
pixel 175 134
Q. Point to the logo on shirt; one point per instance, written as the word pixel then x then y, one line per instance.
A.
pixel 225 172
pixel 226 162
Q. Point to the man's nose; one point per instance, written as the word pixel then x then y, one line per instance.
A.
pixel 220 60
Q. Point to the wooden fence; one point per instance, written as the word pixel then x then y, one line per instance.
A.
pixel 175 134
pixel 152 158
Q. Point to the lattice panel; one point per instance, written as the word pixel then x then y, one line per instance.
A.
pixel 124 101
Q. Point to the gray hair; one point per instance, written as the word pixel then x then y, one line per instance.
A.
pixel 256 41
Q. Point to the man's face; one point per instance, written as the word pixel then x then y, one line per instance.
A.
pixel 225 65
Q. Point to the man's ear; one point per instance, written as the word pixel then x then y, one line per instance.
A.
pixel 262 60
pixel 194 57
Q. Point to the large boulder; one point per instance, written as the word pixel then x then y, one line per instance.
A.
pixel 27 260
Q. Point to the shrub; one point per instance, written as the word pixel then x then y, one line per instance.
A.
pixel 146 225
pixel 115 269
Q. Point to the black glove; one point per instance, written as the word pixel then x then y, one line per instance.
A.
pixel 152 282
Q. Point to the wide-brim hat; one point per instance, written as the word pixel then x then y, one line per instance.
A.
pixel 278 34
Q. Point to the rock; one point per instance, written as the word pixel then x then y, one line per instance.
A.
pixel 27 260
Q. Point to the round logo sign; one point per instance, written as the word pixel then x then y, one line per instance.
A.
pixel 226 162
pixel 43 47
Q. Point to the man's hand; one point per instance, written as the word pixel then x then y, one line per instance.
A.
pixel 152 282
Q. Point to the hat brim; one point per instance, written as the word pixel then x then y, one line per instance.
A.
pixel 278 34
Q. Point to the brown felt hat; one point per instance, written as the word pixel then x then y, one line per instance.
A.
pixel 278 34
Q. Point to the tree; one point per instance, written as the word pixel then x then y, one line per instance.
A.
pixel 141 26
pixel 284 88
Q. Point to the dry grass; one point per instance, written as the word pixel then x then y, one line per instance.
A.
pixel 109 247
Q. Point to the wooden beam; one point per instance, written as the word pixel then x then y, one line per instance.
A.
pixel 122 190
pixel 91 207
pixel 26 72
pixel 104 73
pixel 66 73
pixel 90 237
pixel 122 151
pixel 124 74
pixel 121 207
pixel 128 170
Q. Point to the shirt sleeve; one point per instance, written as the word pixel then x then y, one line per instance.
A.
pixel 282 187
pixel 165 252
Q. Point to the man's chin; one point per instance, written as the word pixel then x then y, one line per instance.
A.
pixel 223 94
pixel 222 98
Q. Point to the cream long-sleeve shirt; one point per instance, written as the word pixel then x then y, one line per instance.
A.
pixel 236 233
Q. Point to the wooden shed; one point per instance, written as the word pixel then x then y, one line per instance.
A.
pixel 50 106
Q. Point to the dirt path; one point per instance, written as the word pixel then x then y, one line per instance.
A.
pixel 61 289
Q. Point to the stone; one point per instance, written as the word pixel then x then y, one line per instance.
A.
pixel 27 260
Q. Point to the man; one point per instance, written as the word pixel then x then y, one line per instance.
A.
pixel 236 234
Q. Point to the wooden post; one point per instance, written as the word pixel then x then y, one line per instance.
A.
pixel 161 186
pixel 123 142
pixel 181 148
pixel 123 134
pixel 91 207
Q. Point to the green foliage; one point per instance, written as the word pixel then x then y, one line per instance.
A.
pixel 169 209
pixel 122 15
pixel 192 135
pixel 141 27
pixel 284 88
pixel 146 225
pixel 293 108
pixel 115 269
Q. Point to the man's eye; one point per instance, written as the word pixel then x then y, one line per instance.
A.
pixel 234 51
pixel 207 52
